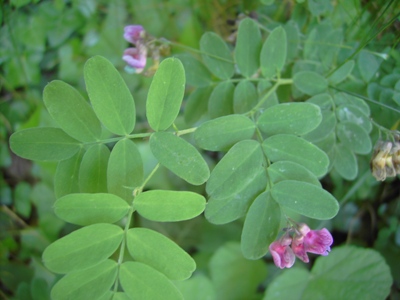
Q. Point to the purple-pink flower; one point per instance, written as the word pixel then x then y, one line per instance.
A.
pixel 133 33
pixel 282 253
pixel 136 58
pixel 304 240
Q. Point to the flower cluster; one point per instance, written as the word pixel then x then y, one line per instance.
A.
pixel 285 250
pixel 385 161
pixel 135 57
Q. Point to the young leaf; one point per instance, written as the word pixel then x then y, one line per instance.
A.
pixel 222 211
pixel 345 162
pixel 221 100
pixel 110 97
pixel 83 248
pixel 125 169
pixel 197 104
pixel 261 226
pixel 293 118
pixel 310 83
pixel 288 170
pixel 87 209
pixel 245 97
pixel 248 47
pixel 93 170
pixel 91 283
pixel 306 199
pixel 165 94
pixel 169 206
pixel 180 157
pixel 138 281
pixel 71 111
pixel 154 249
pixel 221 133
pixel 235 170
pixel 216 55
pixel 66 179
pixel 354 137
pixel 341 73
pixel 273 53
pixel 292 148
pixel 43 144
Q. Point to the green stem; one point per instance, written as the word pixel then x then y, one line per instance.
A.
pixel 163 40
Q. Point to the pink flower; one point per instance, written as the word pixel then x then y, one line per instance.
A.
pixel 133 33
pixel 136 58
pixel 313 241
pixel 281 252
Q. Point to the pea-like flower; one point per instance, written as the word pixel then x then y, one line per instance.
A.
pixel 304 240
pixel 136 58
pixel 134 33
pixel 281 252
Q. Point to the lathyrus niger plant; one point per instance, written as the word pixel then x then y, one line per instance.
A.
pixel 265 120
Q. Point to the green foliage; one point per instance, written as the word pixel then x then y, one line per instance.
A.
pixel 271 119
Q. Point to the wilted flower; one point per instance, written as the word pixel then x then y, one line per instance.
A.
pixel 385 161
pixel 282 253
pixel 136 58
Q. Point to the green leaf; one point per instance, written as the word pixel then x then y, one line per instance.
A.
pixel 222 211
pixel 110 97
pixel 83 248
pixel 221 100
pixel 351 113
pixel 43 144
pixel 165 94
pixel 310 83
pixel 138 281
pixel 341 73
pixel 354 137
pixel 221 133
pixel 157 251
pixel 306 199
pixel 197 104
pixel 235 170
pixel 91 283
pixel 326 126
pixel 22 202
pixel 273 53
pixel 293 118
pixel 248 47
pixel 169 206
pixel 66 179
pixel 71 111
pixel 125 169
pixel 196 73
pixel 368 65
pixel 292 148
pixel 287 170
pixel 346 273
pixel 345 162
pixel 216 55
pixel 180 157
pixel 343 98
pixel 87 209
pixel 93 170
pixel 233 276
pixel 198 287
pixel 292 37
pixel 245 97
pixel 318 7
pixel 261 226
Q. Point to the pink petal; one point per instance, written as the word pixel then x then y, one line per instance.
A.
pixel 318 242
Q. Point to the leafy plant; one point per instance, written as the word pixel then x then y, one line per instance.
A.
pixel 272 116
